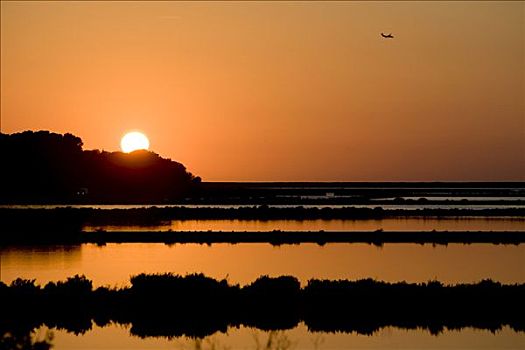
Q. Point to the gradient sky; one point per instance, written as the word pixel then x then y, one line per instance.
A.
pixel 278 91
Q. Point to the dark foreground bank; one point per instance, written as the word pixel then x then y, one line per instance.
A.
pixel 195 305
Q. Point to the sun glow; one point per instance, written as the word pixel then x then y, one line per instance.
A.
pixel 133 141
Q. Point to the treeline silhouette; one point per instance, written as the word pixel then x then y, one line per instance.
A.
pixel 48 167
pixel 196 305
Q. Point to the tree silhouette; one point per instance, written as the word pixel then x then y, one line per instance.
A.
pixel 45 166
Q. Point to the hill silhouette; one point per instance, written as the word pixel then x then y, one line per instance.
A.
pixel 48 167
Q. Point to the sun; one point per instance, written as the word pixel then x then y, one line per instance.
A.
pixel 133 141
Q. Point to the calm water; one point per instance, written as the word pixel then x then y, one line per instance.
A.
pixel 113 264
pixel 118 337
pixel 391 224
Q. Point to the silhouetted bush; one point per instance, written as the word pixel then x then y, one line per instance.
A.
pixel 274 303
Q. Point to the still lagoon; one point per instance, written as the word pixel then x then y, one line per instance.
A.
pixel 119 337
pixel 113 264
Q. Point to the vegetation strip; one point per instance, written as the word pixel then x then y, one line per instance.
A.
pixel 171 305
pixel 275 237
pixel 261 212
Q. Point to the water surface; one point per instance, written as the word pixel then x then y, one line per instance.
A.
pixel 118 337
pixel 113 264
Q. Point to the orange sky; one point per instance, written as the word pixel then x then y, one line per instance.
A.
pixel 278 91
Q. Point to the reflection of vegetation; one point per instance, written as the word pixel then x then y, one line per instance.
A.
pixel 170 306
pixel 277 340
pixel 204 343
pixel 25 341
pixel 317 341
pixel 209 343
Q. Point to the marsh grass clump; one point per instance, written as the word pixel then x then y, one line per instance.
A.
pixel 274 303
pixel 191 291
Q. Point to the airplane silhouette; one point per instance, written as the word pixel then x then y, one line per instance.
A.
pixel 387 36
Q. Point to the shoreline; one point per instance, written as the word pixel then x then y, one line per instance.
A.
pixel 276 237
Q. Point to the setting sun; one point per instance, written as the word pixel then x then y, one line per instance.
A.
pixel 320 174
pixel 133 141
